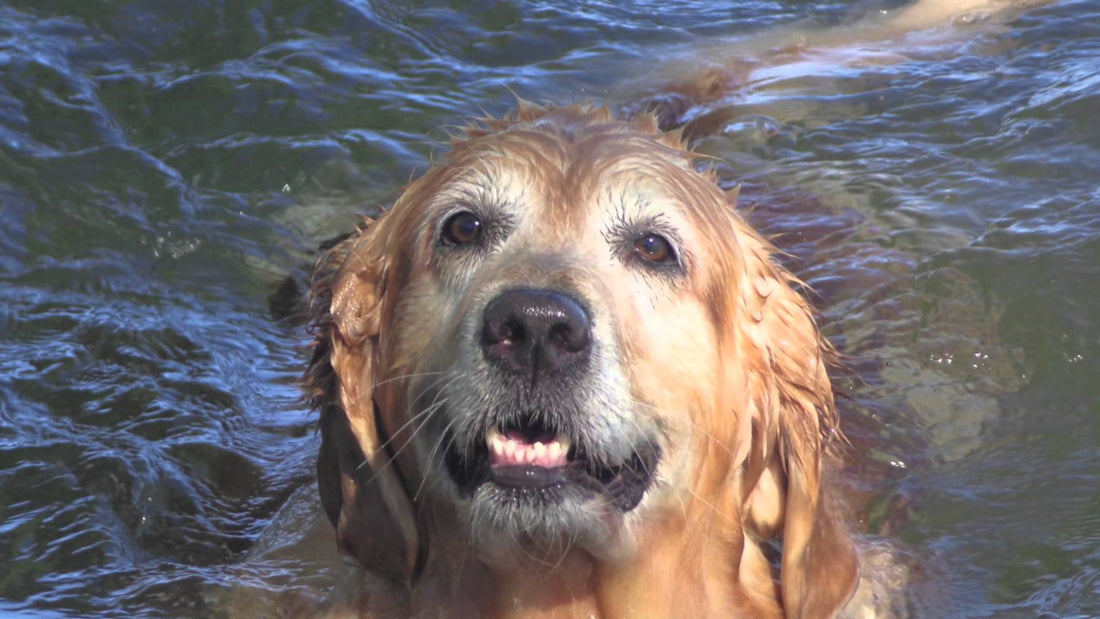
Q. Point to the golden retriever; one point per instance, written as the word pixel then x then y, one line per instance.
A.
pixel 561 377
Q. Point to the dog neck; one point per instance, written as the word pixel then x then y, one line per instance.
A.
pixel 682 569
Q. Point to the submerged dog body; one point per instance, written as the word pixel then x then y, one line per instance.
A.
pixel 562 377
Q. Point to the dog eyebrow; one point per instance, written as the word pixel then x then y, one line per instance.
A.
pixel 474 188
pixel 624 229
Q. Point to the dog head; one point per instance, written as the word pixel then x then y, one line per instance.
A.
pixel 558 337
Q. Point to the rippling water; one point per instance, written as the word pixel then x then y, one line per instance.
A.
pixel 167 169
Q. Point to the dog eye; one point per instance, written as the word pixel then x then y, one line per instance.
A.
pixel 654 248
pixel 462 228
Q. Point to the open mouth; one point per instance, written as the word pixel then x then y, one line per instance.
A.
pixel 531 458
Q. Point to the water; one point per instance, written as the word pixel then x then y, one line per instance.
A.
pixel 166 166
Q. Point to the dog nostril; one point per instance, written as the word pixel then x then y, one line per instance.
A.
pixel 569 337
pixel 501 332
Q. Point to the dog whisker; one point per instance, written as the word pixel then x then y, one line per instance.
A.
pixel 694 426
pixel 426 414
pixel 431 456
pixel 406 377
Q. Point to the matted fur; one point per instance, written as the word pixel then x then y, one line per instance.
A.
pixel 747 450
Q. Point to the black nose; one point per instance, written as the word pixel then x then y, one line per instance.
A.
pixel 533 331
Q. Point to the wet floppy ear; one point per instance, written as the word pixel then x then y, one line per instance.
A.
pixel 361 489
pixel 820 570
pixel 793 415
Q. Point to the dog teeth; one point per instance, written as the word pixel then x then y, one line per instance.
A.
pixel 563 443
pixel 505 450
pixel 495 441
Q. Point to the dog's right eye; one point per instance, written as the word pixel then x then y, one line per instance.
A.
pixel 463 228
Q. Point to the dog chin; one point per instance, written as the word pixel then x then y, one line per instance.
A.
pixel 510 526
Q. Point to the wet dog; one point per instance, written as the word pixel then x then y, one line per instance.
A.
pixel 562 377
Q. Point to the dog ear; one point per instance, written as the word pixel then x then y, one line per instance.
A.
pixel 793 420
pixel 820 570
pixel 359 480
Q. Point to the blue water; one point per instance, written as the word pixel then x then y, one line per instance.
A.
pixel 167 168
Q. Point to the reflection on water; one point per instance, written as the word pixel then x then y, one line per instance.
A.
pixel 164 166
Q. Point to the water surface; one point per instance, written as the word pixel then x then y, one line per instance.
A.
pixel 165 167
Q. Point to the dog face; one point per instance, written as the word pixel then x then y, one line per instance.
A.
pixel 558 337
pixel 560 333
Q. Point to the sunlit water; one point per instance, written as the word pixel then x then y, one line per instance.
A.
pixel 166 166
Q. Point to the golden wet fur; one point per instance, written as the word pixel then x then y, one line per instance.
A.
pixel 716 361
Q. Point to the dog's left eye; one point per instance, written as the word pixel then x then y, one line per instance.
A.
pixel 654 248
pixel 462 228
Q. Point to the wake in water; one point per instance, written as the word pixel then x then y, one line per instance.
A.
pixel 692 82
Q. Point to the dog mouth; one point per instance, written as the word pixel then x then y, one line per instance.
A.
pixel 529 459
